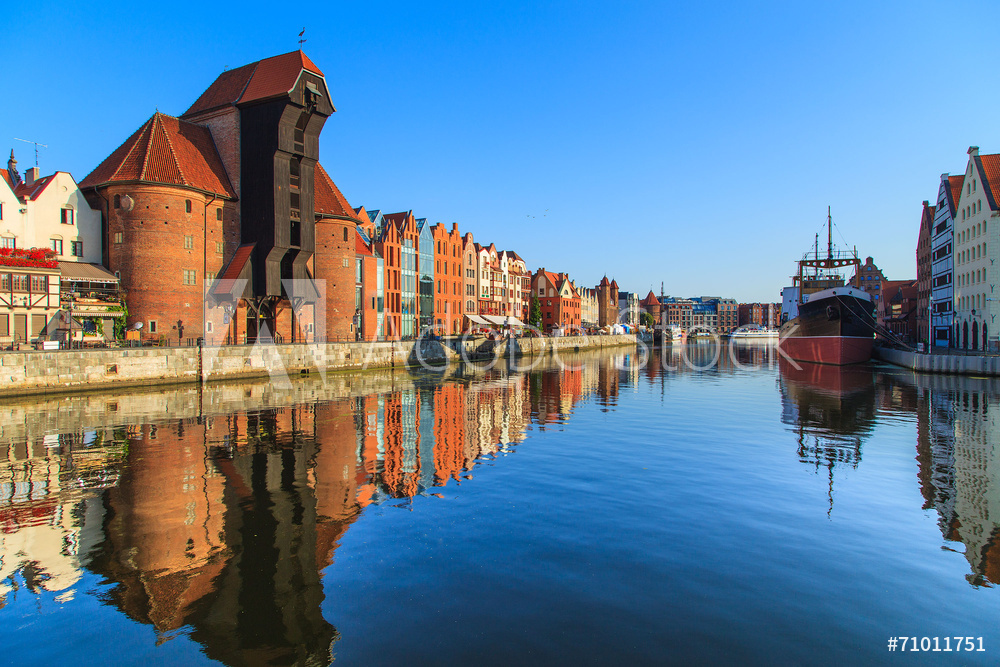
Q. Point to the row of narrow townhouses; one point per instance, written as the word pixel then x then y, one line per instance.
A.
pixel 957 249
pixel 221 224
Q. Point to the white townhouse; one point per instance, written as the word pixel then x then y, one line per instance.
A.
pixel 48 212
pixel 977 223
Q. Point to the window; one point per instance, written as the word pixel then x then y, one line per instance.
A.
pixel 187 205
pixel 218 214
pixel 345 233
pixel 118 201
pixel 210 276
pixel 152 326
pixel 39 284
pixel 118 237
pixel 19 282
pixel 57 246
pixel 189 277
pixel 189 242
pixel 208 327
pixel 77 248
pixel 67 216
pixel 5 282
pixel 219 246
pixel 1 210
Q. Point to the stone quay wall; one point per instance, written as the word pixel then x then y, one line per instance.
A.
pixel 955 364
pixel 36 372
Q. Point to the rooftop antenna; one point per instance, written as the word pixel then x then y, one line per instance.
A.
pixel 302 40
pixel 36 147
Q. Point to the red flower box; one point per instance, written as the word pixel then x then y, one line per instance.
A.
pixel 39 258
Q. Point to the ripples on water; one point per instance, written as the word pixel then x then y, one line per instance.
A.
pixel 604 511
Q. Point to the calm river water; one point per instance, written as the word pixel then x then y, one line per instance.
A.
pixel 601 510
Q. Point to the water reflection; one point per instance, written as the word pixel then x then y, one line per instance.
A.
pixel 958 467
pixel 218 522
pixel 834 410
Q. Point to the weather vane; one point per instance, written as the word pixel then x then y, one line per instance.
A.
pixel 302 40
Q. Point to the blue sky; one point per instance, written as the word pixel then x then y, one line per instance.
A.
pixel 697 144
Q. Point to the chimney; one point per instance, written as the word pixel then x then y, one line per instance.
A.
pixel 30 175
pixel 974 151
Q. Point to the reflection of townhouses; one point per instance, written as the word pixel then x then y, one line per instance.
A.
pixel 49 508
pixel 958 466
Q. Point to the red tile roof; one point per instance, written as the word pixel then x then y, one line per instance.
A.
pixel 329 201
pixel 614 285
pixel 6 176
pixel 240 257
pixel 956 190
pixel 169 151
pixel 271 77
pixel 604 282
pixel 991 170
pixel 26 192
pixel 650 300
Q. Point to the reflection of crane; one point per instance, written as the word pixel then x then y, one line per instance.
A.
pixel 36 147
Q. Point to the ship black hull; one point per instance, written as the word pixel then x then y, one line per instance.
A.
pixel 837 330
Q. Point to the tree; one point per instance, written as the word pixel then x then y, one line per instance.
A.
pixel 535 314
pixel 646 319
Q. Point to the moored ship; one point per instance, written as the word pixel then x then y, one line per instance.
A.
pixel 824 320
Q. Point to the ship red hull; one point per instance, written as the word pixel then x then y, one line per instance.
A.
pixel 836 350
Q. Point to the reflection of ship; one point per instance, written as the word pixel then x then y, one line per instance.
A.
pixel 822 319
pixel 831 408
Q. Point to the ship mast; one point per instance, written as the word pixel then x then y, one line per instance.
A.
pixel 829 234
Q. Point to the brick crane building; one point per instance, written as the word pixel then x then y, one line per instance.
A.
pixel 224 201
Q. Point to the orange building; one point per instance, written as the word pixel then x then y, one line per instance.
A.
pixel 449 280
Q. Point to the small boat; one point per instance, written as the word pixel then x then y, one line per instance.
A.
pixel 753 332
pixel 824 320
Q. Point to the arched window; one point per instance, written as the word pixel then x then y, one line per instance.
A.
pixel 965 335
pixel 187 205
pixel 975 335
pixel 345 233
pixel 985 346
pixel 118 201
pixel 218 214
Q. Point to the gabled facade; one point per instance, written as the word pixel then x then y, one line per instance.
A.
pixel 869 278
pixel 942 260
pixel 48 212
pixel 922 317
pixel 470 268
pixel 976 251
pixel 408 239
pixel 387 244
pixel 425 275
pixel 560 303
pixel 449 278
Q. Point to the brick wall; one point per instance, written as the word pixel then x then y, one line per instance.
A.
pixel 154 243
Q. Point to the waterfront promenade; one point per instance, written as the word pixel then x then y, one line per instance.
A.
pixel 958 364
pixel 37 372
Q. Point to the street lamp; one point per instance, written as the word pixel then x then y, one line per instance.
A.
pixel 930 323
